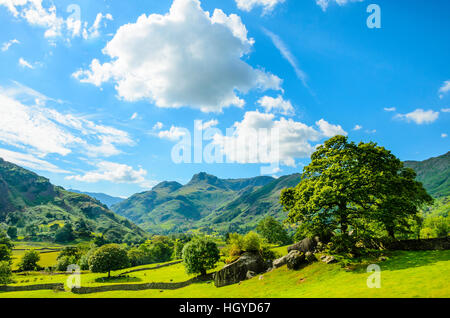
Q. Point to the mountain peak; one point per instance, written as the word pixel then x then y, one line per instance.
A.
pixel 169 186
pixel 204 177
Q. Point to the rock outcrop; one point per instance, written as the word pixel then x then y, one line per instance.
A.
pixel 248 265
pixel 304 246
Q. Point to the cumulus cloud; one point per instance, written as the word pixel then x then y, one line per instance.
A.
pixel 357 127
pixel 42 130
pixel 444 135
pixel 261 138
pixel 36 13
pixel 276 105
pixel 390 109
pixel 115 173
pixel 420 116
pixel 158 126
pixel 7 45
pixel 267 5
pixel 187 57
pixel 325 3
pixel 29 161
pixel 445 110
pixel 329 130
pixel 445 88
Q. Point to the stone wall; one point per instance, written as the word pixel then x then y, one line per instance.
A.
pixel 55 286
pixel 420 245
pixel 128 287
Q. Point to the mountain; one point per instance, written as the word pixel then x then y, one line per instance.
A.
pixel 27 198
pixel 434 173
pixel 171 207
pixel 102 197
pixel 225 205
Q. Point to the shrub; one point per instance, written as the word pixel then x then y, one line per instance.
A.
pixel 30 261
pixel 64 262
pixel 200 255
pixel 5 273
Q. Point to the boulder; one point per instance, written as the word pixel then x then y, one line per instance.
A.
pixel 279 262
pixel 329 260
pixel 237 271
pixel 295 260
pixel 306 245
pixel 310 258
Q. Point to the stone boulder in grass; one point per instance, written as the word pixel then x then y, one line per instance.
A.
pixel 248 263
pixel 304 246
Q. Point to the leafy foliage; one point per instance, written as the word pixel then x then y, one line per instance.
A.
pixel 273 231
pixel 5 273
pixel 357 192
pixel 30 261
pixel 108 258
pixel 200 255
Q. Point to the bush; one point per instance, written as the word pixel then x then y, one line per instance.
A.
pixel 108 258
pixel 200 255
pixel 252 242
pixel 64 262
pixel 30 261
pixel 84 259
pixel 5 273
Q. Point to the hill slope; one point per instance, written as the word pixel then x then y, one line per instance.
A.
pixel 434 173
pixel 27 198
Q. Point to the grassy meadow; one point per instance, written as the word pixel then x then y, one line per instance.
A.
pixel 403 274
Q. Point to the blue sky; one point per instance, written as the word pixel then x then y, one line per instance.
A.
pixel 95 94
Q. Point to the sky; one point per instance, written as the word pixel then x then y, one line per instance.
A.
pixel 116 96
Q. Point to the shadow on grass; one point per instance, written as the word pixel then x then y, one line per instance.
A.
pixel 118 279
pixel 398 260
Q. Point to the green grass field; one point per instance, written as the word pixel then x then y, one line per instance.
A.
pixel 404 274
pixel 46 251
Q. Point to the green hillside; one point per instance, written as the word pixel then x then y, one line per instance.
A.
pixel 171 207
pixel 106 199
pixel 28 200
pixel 434 173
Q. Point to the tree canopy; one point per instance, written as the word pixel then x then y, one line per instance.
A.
pixel 108 258
pixel 200 255
pixel 355 191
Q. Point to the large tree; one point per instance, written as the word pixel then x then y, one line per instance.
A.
pixel 108 258
pixel 200 255
pixel 355 189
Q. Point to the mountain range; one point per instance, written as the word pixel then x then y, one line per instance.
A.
pixel 206 201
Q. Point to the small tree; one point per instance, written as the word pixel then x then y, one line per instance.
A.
pixel 5 273
pixel 12 232
pixel 108 258
pixel 200 255
pixel 273 231
pixel 65 234
pixel 30 261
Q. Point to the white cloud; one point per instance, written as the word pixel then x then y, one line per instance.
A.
pixel 420 116
pixel 173 134
pixel 115 173
pixel 445 88
pixel 46 16
pixel 158 126
pixel 29 161
pixel 325 3
pixel 267 5
pixel 329 130
pixel 7 45
pixel 42 130
pixel 357 127
pixel 134 116
pixel 277 105
pixel 444 135
pixel 184 58
pixel 445 110
pixel 287 54
pixel 209 124
pixel 285 140
pixel 390 109
pixel 94 30
pixel 25 64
